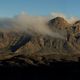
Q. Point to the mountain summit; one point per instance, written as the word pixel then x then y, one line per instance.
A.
pixel 58 22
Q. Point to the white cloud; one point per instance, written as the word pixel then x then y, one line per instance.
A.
pixel 29 24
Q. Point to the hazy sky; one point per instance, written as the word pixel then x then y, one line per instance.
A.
pixel 10 8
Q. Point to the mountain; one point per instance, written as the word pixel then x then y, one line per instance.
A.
pixel 41 48
pixel 59 22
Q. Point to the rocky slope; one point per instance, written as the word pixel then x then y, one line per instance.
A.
pixel 39 48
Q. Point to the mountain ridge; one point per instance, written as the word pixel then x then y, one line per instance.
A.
pixel 31 45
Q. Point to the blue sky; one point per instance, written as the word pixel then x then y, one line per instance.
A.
pixel 9 8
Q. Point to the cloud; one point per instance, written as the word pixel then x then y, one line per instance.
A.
pixel 34 24
pixel 58 15
pixel 37 24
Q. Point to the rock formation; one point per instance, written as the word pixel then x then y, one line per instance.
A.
pixel 28 45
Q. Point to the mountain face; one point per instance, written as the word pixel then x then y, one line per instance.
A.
pixel 22 43
pixel 58 22
pixel 37 41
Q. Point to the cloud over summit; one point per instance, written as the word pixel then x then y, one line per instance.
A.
pixel 37 24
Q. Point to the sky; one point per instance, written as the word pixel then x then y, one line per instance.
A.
pixel 9 8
